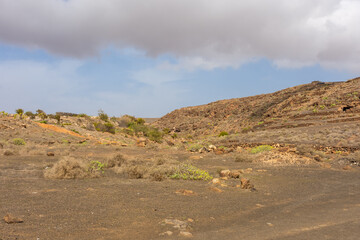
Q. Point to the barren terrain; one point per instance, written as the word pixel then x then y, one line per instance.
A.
pixel 275 166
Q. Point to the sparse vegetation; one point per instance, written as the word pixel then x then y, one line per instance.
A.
pixel 246 130
pixel 195 147
pixel 18 141
pixel 30 114
pixel 103 116
pixel 82 115
pixel 20 112
pixel 166 131
pixel 97 166
pixel 138 128
pixel 75 131
pixel 71 168
pixel 3 113
pixel 261 148
pixel 190 172
pixel 223 133
pixel 243 158
pixel 104 127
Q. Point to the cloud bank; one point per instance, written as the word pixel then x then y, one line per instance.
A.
pixel 203 34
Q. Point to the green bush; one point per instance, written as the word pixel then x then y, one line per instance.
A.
pixel 261 148
pixel 103 116
pixel 246 130
pixel 42 115
pixel 138 127
pixel 20 112
pixel 30 114
pixel 18 141
pixel 154 134
pixel 140 121
pixel 97 166
pixel 223 133
pixel 195 147
pixel 166 131
pixel 190 172
pixel 105 127
pixel 75 131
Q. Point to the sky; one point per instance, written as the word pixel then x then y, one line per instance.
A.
pixel 147 58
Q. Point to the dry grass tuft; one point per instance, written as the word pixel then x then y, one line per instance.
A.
pixel 154 169
pixel 116 161
pixel 71 168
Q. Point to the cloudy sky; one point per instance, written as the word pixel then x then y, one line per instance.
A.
pixel 148 57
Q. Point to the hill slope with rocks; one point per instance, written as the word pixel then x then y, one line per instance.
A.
pixel 317 103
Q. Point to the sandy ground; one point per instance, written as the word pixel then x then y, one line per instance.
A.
pixel 290 202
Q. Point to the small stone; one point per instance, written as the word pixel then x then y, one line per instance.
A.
pixel 326 165
pixel 167 233
pixel 219 151
pixel 215 181
pixel 347 167
pixel 186 234
pixel 224 173
pixel 141 142
pixel 185 192
pixel 50 154
pixel 245 184
pixel 235 174
pixel 215 189
pixel 178 224
pixel 12 219
pixel 212 147
pixel 190 220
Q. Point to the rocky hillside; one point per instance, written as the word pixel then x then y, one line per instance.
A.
pixel 304 105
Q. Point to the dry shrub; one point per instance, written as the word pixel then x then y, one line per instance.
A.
pixel 155 169
pixel 352 158
pixel 286 158
pixel 8 153
pixel 244 157
pixel 71 168
pixel 115 161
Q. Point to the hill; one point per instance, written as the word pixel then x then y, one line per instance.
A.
pixel 311 104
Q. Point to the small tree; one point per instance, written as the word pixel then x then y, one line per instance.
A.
pixel 103 116
pixel 39 111
pixel 20 112
pixel 30 114
pixel 58 118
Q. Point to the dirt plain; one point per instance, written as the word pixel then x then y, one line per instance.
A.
pixel 305 186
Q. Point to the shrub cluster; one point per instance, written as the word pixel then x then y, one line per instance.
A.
pixel 104 127
pixel 261 148
pixel 190 172
pixel 18 141
pixel 223 133
pixel 138 127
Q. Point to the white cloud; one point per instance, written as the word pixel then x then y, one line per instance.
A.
pixel 202 34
